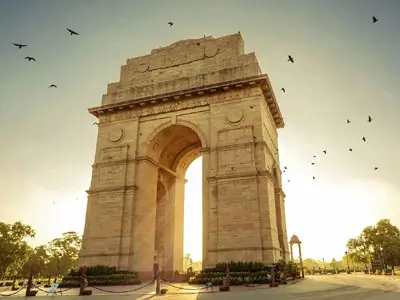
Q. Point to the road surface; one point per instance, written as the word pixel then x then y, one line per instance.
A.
pixel 343 287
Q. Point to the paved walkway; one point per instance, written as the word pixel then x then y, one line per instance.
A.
pixel 341 287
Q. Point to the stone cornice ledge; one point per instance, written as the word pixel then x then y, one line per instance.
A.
pixel 112 189
pixel 261 80
pixel 240 176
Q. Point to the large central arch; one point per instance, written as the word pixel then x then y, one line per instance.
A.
pixel 195 97
pixel 171 149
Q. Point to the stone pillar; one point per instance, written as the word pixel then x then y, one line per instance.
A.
pixel 178 217
pixel 205 155
pixel 291 252
pixel 145 219
pixel 301 261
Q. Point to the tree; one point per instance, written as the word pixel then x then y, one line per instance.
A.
pixel 359 251
pixel 64 253
pixel 14 250
pixel 37 262
pixel 334 264
pixel 310 264
pixel 379 244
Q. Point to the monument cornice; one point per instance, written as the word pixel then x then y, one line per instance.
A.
pixel 111 189
pixel 260 80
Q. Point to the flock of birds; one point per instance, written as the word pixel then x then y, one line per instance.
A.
pixel 325 152
pixel 290 59
pixel 31 58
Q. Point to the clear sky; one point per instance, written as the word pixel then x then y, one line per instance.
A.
pixel 345 67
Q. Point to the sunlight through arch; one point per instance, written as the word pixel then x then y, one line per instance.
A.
pixel 193 224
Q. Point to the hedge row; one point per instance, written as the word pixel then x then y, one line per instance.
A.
pixel 101 275
pixel 252 272
pixel 101 270
pixel 236 278
pixel 100 280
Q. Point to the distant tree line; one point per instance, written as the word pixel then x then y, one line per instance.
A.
pixel 19 259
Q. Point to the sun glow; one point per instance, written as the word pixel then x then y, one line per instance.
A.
pixel 193 224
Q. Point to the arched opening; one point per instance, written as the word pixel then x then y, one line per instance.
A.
pixel 193 230
pixel 172 150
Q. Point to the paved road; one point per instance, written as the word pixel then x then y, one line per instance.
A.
pixel 343 287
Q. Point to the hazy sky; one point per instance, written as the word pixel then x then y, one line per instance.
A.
pixel 345 68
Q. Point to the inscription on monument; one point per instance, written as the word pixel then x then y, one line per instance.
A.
pixel 179 105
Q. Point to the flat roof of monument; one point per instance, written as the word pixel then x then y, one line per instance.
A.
pixel 171 46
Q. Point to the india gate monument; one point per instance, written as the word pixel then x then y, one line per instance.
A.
pixel 198 97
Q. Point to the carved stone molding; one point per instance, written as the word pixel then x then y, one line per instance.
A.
pixel 177 106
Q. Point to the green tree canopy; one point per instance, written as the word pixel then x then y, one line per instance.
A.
pixel 14 250
pixel 64 253
pixel 379 244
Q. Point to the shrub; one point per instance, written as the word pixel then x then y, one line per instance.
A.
pixel 163 291
pixel 224 288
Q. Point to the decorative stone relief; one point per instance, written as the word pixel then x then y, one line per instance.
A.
pixel 234 116
pixel 143 67
pixel 156 146
pixel 116 135
pixel 211 50
pixel 166 133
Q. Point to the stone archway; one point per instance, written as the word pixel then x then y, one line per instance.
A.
pixel 195 97
pixel 169 153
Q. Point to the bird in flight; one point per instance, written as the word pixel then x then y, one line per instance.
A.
pixel 313 163
pixel 348 121
pixel 291 59
pixel 29 58
pixel 376 168
pixel 283 90
pixel 374 19
pixel 364 139
pixel 313 177
pixel 53 86
pixel 72 32
pixel 351 150
pixel 20 45
pixel 288 180
pixel 324 151
pixel 314 156
pixel 170 24
pixel 369 119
